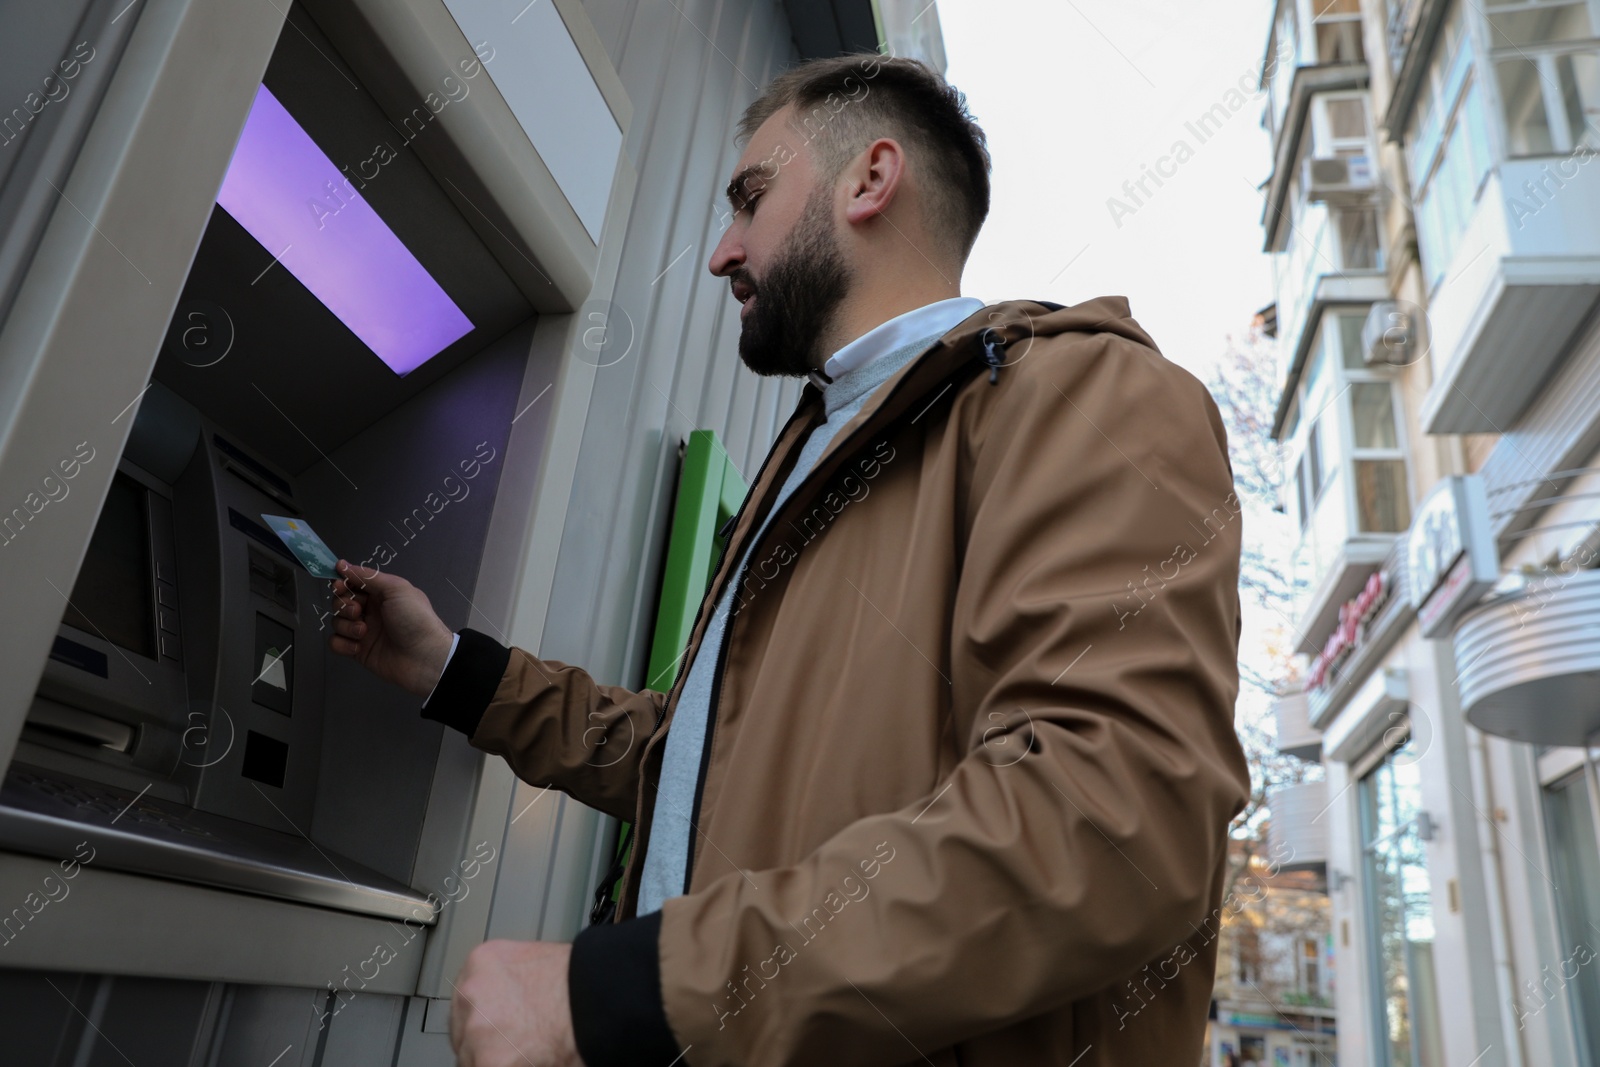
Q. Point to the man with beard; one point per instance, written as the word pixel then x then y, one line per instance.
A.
pixel 947 773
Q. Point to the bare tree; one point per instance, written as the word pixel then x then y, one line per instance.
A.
pixel 1245 384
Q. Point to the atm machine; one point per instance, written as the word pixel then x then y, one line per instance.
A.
pixel 372 336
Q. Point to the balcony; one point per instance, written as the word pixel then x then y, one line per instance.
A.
pixel 1355 560
pixel 1524 276
pixel 1297 829
pixel 1530 662
pixel 1295 735
pixel 1317 272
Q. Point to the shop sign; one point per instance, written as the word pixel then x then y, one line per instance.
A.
pixel 1354 616
pixel 1450 553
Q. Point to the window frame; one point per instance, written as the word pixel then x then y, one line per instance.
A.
pixel 1544 56
pixel 1355 452
pixel 1318 461
pixel 1458 85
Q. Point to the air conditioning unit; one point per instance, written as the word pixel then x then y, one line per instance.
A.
pixel 1392 334
pixel 1338 178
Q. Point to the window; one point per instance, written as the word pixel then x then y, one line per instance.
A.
pixel 1351 323
pixel 1304 495
pixel 1310 977
pixel 1383 503
pixel 1339 125
pixel 1314 374
pixel 1357 430
pixel 1338 24
pixel 1314 457
pixel 1381 496
pixel 1575 865
pixel 1247 955
pixel 1340 129
pixel 1547 60
pixel 1347 117
pixel 1400 911
pixel 1356 229
pixel 1372 415
pixel 1447 150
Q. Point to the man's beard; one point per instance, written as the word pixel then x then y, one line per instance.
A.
pixel 798 298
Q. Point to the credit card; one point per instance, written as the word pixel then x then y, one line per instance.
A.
pixel 303 541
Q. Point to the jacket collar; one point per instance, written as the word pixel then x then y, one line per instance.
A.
pixel 988 340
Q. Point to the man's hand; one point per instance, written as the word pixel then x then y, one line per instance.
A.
pixel 387 625
pixel 510 1007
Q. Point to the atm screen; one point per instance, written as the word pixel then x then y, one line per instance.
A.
pixel 113 597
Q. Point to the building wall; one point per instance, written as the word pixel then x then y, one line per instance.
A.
pixel 1489 852
pixel 688 76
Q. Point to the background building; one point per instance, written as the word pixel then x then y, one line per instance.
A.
pixel 203 837
pixel 1274 988
pixel 1435 225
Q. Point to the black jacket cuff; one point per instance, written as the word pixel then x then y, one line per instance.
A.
pixel 468 683
pixel 614 987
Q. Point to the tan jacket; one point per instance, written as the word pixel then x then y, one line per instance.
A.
pixel 971 761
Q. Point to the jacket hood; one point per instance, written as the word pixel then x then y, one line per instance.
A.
pixel 1000 335
pixel 1020 320
pixel 989 340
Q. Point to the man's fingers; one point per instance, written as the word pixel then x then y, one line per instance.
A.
pixel 343 646
pixel 342 590
pixel 350 628
pixel 369 579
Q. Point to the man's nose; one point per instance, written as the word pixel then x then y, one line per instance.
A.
pixel 728 255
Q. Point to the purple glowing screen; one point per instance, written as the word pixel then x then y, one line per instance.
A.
pixel 295 201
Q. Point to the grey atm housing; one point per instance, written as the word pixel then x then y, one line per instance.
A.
pixel 189 692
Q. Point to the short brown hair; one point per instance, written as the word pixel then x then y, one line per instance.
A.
pixel 855 99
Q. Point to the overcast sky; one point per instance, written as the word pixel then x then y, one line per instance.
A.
pixel 1077 97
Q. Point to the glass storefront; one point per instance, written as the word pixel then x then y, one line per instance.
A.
pixel 1575 867
pixel 1401 913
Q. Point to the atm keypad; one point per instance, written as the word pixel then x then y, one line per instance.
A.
pixel 106 802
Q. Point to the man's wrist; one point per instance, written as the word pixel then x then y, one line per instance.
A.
pixel 469 681
pixel 441 664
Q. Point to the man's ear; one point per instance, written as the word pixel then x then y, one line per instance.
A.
pixel 873 180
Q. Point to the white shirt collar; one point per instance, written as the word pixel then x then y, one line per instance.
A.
pixel 939 317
